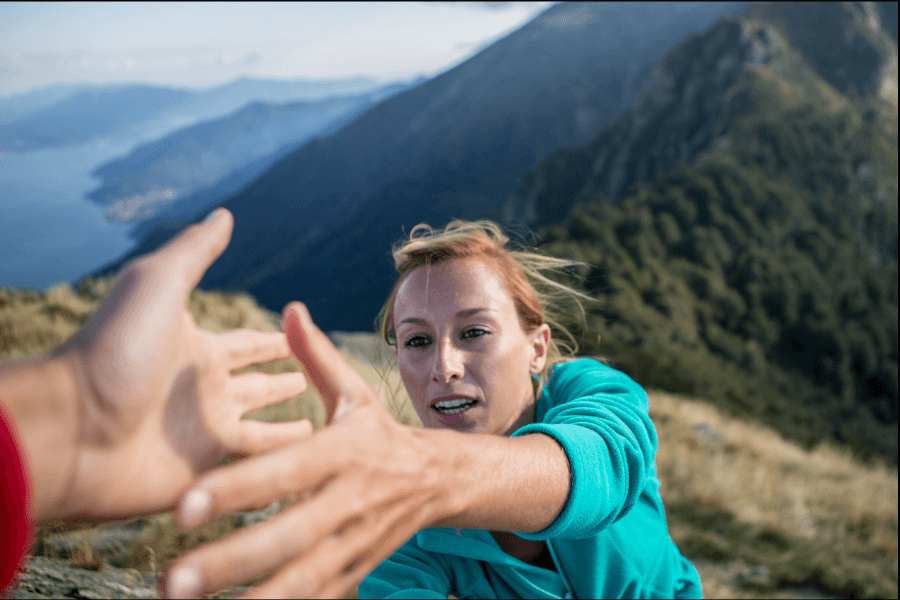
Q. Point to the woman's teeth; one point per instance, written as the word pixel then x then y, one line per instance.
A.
pixel 452 407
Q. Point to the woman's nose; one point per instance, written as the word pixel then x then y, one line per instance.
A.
pixel 447 363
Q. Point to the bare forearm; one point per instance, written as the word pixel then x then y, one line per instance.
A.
pixel 503 484
pixel 39 395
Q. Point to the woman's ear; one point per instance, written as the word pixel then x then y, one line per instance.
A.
pixel 540 344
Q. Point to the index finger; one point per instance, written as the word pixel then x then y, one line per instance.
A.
pixel 339 384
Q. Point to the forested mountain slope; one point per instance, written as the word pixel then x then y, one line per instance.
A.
pixel 760 269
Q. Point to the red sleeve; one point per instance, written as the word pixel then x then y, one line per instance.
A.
pixel 14 496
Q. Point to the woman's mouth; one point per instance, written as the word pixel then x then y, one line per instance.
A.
pixel 454 406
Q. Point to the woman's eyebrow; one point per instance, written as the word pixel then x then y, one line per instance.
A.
pixel 467 312
pixel 472 311
pixel 413 320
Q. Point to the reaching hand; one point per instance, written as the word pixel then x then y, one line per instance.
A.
pixel 366 484
pixel 156 401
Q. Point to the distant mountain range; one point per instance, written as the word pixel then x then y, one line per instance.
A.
pixel 732 189
pixel 63 115
pixel 319 224
pixel 237 146
pixel 18 106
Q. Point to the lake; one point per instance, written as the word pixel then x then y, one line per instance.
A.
pixel 49 231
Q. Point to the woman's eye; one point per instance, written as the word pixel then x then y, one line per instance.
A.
pixel 416 341
pixel 473 333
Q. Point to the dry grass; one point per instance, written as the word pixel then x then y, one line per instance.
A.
pixel 765 480
pixel 759 516
pixel 738 491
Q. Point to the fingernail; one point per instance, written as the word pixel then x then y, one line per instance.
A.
pixel 195 507
pixel 184 582
pixel 299 309
pixel 302 312
pixel 212 215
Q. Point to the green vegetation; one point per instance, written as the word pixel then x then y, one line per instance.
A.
pixel 761 276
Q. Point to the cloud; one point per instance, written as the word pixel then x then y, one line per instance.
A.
pixel 121 62
pixel 228 59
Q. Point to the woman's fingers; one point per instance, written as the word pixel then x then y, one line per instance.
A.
pixel 256 390
pixel 240 556
pixel 258 480
pixel 267 546
pixel 257 437
pixel 244 347
pixel 339 384
pixel 342 559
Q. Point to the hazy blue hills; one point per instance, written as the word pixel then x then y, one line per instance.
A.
pixel 17 106
pixel 71 114
pixel 319 224
pixel 89 114
pixel 171 168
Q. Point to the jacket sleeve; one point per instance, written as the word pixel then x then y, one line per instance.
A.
pixel 600 417
pixel 409 573
pixel 14 520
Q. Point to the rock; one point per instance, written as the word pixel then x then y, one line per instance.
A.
pixel 109 543
pixel 707 432
pixel 44 577
pixel 756 577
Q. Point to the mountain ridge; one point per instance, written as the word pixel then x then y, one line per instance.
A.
pixel 164 171
pixel 568 174
pixel 69 114
pixel 550 83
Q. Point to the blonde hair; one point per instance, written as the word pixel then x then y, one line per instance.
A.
pixel 537 298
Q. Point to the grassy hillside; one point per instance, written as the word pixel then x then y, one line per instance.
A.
pixel 759 516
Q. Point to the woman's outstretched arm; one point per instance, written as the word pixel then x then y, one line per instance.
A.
pixel 367 484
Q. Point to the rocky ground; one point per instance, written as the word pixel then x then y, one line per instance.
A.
pixel 54 578
pixel 57 577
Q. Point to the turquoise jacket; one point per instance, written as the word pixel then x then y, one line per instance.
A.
pixel 611 539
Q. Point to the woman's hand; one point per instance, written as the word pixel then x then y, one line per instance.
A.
pixel 366 485
pixel 156 403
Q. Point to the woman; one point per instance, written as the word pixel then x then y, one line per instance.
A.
pixel 514 441
pixel 472 348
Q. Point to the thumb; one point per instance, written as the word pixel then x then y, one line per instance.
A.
pixel 340 386
pixel 197 247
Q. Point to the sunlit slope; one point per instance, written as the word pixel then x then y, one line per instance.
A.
pixel 760 516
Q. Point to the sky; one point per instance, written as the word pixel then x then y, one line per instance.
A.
pixel 200 45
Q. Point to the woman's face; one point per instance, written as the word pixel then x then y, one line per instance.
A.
pixel 464 357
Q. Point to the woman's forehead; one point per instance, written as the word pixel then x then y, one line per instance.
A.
pixel 452 284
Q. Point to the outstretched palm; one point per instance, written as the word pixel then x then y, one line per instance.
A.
pixel 158 402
